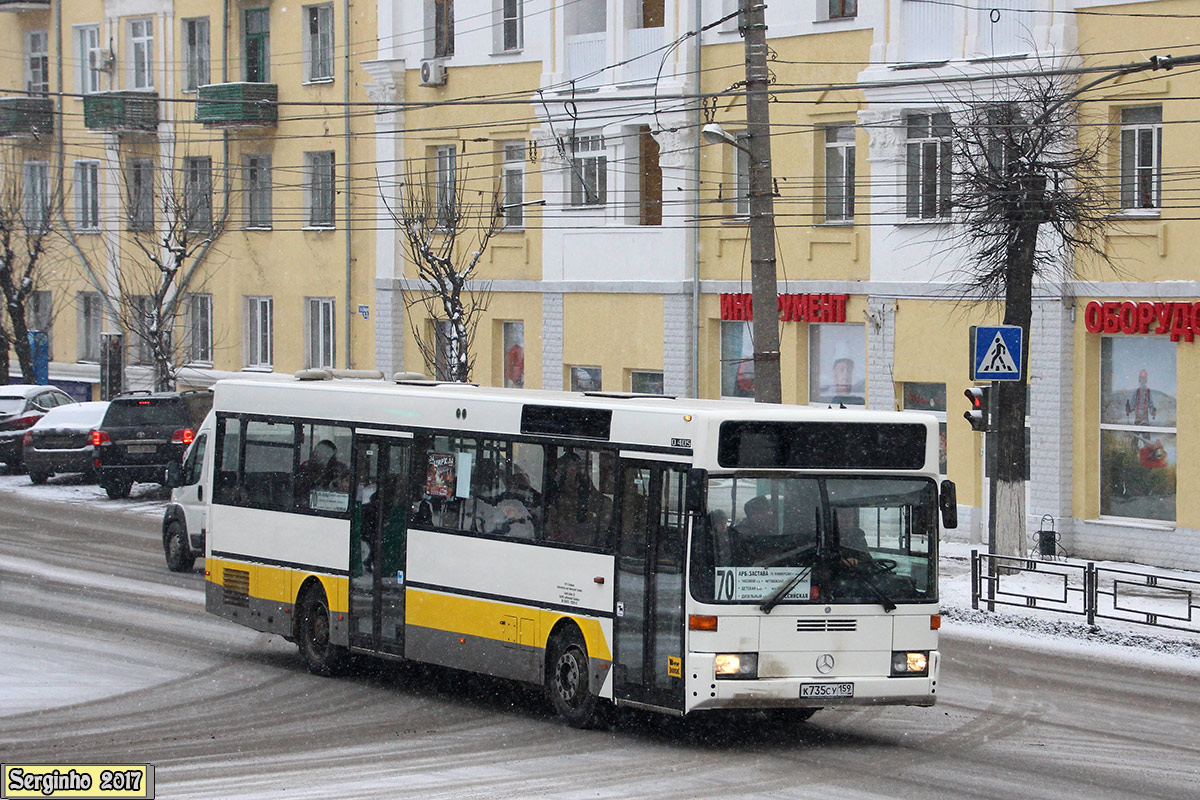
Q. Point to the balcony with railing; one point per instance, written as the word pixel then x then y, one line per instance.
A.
pixel 585 59
pixel 229 105
pixel 120 111
pixel 928 31
pixel 26 116
pixel 644 53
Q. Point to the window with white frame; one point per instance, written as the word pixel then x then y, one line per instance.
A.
pixel 839 9
pixel 514 183
pixel 91 320
pixel 37 195
pixel 37 63
pixel 1138 418
pixel 645 381
pixel 589 171
pixel 320 321
pixel 513 343
pixel 446 185
pixel 737 359
pixel 443 28
pixel 195 53
pixel 741 176
pixel 1141 158
pixel 87 195
pixel 320 195
pixel 318 43
pixel 139 187
pixel 509 25
pixel 259 327
pixel 839 173
pixel 256 190
pixel 197 193
pixel 256 45
pixel 927 174
pixel 141 54
pixel 931 397
pixel 199 322
pixel 89 57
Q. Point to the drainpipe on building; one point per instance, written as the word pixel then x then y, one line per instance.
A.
pixel 346 179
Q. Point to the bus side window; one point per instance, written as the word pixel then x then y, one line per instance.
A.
pixel 267 472
pixel 228 460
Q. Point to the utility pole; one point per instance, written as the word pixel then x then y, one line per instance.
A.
pixel 765 327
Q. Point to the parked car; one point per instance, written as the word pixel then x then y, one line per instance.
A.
pixel 144 432
pixel 185 519
pixel 61 441
pixel 21 405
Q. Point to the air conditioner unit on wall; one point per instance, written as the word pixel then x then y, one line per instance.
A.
pixel 433 73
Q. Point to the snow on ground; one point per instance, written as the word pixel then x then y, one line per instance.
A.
pixel 146 499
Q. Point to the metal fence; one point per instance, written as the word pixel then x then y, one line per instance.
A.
pixel 1084 589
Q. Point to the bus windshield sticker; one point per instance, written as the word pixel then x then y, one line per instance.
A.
pixel 440 478
pixel 755 583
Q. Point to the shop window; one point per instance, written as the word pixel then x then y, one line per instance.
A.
pixel 837 364
pixel 1137 428
pixel 930 397
pixel 513 343
pixel 645 382
pixel 737 359
pixel 1141 158
pixel 585 379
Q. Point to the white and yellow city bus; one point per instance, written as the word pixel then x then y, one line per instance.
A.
pixel 670 554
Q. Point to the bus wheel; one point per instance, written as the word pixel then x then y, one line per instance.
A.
pixel 179 555
pixel 322 656
pixel 567 680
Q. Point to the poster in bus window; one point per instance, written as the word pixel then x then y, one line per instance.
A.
pixel 439 480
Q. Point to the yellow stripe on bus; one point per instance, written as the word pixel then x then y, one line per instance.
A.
pixel 281 584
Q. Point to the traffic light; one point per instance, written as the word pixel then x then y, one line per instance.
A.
pixel 978 415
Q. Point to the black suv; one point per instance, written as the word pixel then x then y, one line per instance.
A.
pixel 143 432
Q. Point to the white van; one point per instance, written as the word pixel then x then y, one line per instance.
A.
pixel 185 520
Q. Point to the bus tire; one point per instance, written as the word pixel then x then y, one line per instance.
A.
pixel 567 681
pixel 322 656
pixel 175 545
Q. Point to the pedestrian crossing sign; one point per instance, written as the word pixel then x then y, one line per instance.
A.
pixel 996 352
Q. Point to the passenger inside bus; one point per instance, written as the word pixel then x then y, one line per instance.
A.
pixel 574 506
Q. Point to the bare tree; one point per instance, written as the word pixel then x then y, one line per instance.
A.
pixel 447 226
pixel 28 201
pixel 1030 198
pixel 171 231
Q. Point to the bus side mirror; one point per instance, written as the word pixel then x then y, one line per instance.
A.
pixel 694 494
pixel 948 502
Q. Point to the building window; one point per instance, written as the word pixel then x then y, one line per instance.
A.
pixel 91 60
pixel 318 43
pixel 589 171
pixel 195 53
pixel 259 332
pixel 37 63
pixel 843 9
pixel 930 397
pixel 1138 414
pixel 737 359
pixel 741 176
pixel 199 321
pixel 320 321
pixel 256 187
pixel 514 183
pixel 445 350
pixel 140 180
pixel 197 193
pixel 443 28
pixel 87 195
pixel 320 194
pixel 839 173
pixel 927 180
pixel 1141 158
pixel 445 185
pixel 141 48
pixel 37 196
pixel 645 382
pixel 510 27
pixel 257 45
pixel 586 379
pixel 513 343
pixel 142 311
pixel 836 360
pixel 91 318
pixel 41 314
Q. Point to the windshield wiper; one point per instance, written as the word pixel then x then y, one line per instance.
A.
pixel 776 597
pixel 888 604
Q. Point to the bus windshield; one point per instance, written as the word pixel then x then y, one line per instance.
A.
pixel 815 539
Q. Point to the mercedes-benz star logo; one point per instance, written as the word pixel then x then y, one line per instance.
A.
pixel 825 663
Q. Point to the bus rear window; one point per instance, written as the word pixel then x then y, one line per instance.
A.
pixel 822 445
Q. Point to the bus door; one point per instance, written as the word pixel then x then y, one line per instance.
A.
pixel 378 528
pixel 649 593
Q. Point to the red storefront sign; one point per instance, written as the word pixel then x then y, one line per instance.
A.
pixel 792 307
pixel 1180 320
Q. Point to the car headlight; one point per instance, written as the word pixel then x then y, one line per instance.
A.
pixel 910 663
pixel 736 665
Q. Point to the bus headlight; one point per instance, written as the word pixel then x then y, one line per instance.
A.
pixel 910 663
pixel 736 665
